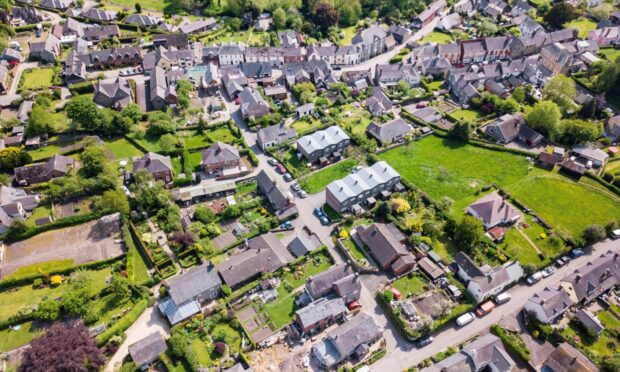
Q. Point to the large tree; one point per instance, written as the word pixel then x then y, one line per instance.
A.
pixel 63 347
pixel 325 16
pixel 38 122
pixel 561 90
pixel 84 112
pixel 468 232
pixel 546 117
pixel 580 131
pixel 13 157
pixel 561 13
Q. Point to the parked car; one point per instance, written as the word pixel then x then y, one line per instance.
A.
pixel 324 220
pixel 295 186
pixel 287 177
pixel 287 225
pixel 356 169
pixel 548 271
pixel 534 278
pixel 302 194
pixel 485 308
pixel 421 105
pixel 615 234
pixel 577 252
pixel 273 162
pixel 280 168
pixel 424 341
pixel 465 319
pixel 318 212
pixel 502 298
pixel 560 262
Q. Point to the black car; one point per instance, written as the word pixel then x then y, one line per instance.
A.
pixel 424 341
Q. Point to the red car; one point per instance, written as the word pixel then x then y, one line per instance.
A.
pixel 280 168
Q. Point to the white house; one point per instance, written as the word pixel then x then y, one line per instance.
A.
pixel 549 305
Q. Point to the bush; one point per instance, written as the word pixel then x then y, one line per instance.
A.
pixel 512 342
pixel 123 323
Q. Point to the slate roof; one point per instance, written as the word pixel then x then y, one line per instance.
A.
pixel 147 350
pixel 171 40
pixel 468 265
pixel 506 128
pixel 152 162
pixel 498 276
pixel 387 132
pixel 321 139
pixel 276 132
pixel 56 163
pixel 101 32
pixel 251 100
pixel 383 245
pixel 493 209
pixel 265 253
pixel 365 179
pixel 56 4
pixel 552 301
pixel 193 283
pixel 595 277
pixel 359 330
pixel 143 20
pixel 369 35
pixel 219 153
pixel 276 197
pixel 303 243
pixel 565 358
pixel 101 15
pixel 321 284
pixel 589 321
pixel 319 310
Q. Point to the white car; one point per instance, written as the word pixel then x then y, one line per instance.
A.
pixel 356 169
pixel 548 271
pixel 465 319
pixel 534 278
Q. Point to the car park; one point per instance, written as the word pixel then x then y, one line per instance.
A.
pixel 424 341
pixel 548 271
pixel 577 252
pixel 502 298
pixel 465 319
pixel 534 278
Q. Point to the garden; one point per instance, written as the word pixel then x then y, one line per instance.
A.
pixel 318 180
pixel 38 78
pixel 582 25
pixel 411 285
pixel 436 37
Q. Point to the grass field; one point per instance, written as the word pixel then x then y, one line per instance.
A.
pixel 582 25
pixel 37 78
pixel 610 53
pixel 356 119
pixel 155 5
pixel 410 286
pixel 317 181
pixel 306 125
pixel 468 115
pixel 44 267
pixel 42 211
pixel 11 339
pixel 436 37
pixel 121 149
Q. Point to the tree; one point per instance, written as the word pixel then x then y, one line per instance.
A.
pixel 508 106
pixel 610 363
pixel 63 347
pixel 111 201
pixel 594 233
pixel 94 161
pixel 545 116
pixel 580 131
pixel 299 89
pixel 607 80
pixel 487 29
pixel 561 90
pixel 561 13
pixel 184 88
pixel 179 342
pixel 231 211
pixel 461 130
pixel 325 16
pixel 468 232
pixel 279 18
pixel 13 157
pixel 48 310
pixel 519 94
pixel 132 112
pixel 204 214
pixel 160 123
pixel 83 111
pixel 399 205
pixel 119 287
pixel 138 8
pixel 168 143
pixel 38 121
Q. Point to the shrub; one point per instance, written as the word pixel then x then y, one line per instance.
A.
pixel 123 323
pixel 220 348
pixel 512 341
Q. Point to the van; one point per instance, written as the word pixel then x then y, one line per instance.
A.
pixel 502 298
pixel 465 319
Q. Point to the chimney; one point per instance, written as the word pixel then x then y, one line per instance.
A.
pixel 577 278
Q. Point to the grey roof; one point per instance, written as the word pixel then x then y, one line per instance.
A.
pixel 322 139
pixel 256 69
pixel 364 180
pixel 176 314
pixel 193 283
pixel 187 27
pixel 321 284
pixel 275 132
pixel 506 128
pixel 171 40
pixel 552 301
pixel 566 358
pixel 269 188
pixel 147 350
pixel 56 4
pixel 387 132
pixel 97 32
pixel 493 209
pixel 100 14
pixel 369 35
pixel 591 153
pixel 251 100
pixel 595 277
pixel 319 310
pixel 359 330
pixel 143 20
pixel 348 287
pixel 303 244
pixel 57 164
pixel 589 321
pixel 219 153
pixel 383 245
pixel 265 253
pixel 486 353
pixel 497 277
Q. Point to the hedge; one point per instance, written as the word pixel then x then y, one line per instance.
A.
pixel 603 183
pixel 29 232
pixel 512 341
pixel 401 325
pixel 123 323
pixel 82 88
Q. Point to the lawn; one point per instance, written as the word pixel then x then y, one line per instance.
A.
pixel 37 78
pixel 582 25
pixel 44 267
pixel 613 167
pixel 517 247
pixel 467 115
pixel 608 320
pixel 306 125
pixel 355 251
pixel 354 119
pixel 566 205
pixel 11 301
pixel 436 37
pixel 121 149
pixel 610 53
pixel 155 5
pixel 434 86
pixel 348 33
pixel 11 339
pixel 445 167
pixel 201 350
pixel 410 285
pixel 194 140
pixel 42 211
pixel 603 345
pixel 317 181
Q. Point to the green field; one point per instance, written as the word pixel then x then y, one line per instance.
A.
pixel 306 125
pixel 12 339
pixel 436 37
pixel 43 267
pixel 37 78
pixel 356 120
pixel 610 53
pixel 121 149
pixel 155 5
pixel 317 181
pixel 413 285
pixel 582 25
pixel 442 167
pixel 467 115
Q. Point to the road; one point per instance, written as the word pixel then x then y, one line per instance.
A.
pixel 402 354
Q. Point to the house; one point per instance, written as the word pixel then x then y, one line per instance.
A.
pixel 352 339
pixel 100 15
pixel 378 103
pixel 612 128
pixel 303 243
pixel 594 278
pixel 429 14
pixel 305 110
pixel 61 5
pixel 390 253
pixel 4 74
pixel 497 48
pixel 357 79
pixel 253 105
pixel 231 54
pixel 548 161
pixel 293 55
pixel 56 166
pixel 234 82
pixel 322 53
pixel 372 41
pixel 46 51
pixel 565 357
pixel 281 201
pixel 356 188
pixel 222 159
pixel 277 92
pixel 485 281
pixel 147 350
pixel 325 143
pixel 390 75
pixel 15 204
pixel 318 72
pixel 113 93
pixel 559 60
pixel 21 16
pixel 593 157
pixel 572 167
pixel 431 269
pixel 142 20
pixel 178 41
pixel 11 55
pixel 590 322
pixel 257 70
pixel 74 70
pixel 274 135
pixel 472 51
pixel 390 132
pixel 487 353
pixel 290 38
pixel 263 254
pixel 339 280
pixel 159 166
pixel 319 315
pixel 205 77
pixel 263 22
pixel 188 290
pixel 448 22
pixel 506 128
pixel 493 210
pixel 607 36
pixel 520 7
pixel 549 305
pixel 401 34
pixel 114 57
pixel 189 27
pixel 100 33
